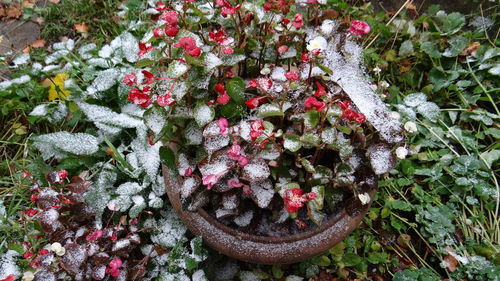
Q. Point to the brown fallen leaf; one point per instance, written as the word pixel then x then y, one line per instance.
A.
pixel 470 50
pixel 28 4
pixel 13 12
pixel 38 44
pixel 55 1
pixel 26 50
pixel 81 27
pixel 450 263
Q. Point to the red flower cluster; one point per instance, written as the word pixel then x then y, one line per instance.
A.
pixel 257 127
pixel 227 8
pixel 262 83
pixel 224 41
pixel 359 27
pixel 350 114
pixel 188 45
pixel 254 102
pixel 10 277
pixel 294 199
pixel 313 103
pixel 298 21
pixel 139 97
pixel 223 97
pixel 165 100
pixel 172 27
pixel 292 76
pixel 321 91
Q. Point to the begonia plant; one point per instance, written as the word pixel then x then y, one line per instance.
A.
pixel 257 123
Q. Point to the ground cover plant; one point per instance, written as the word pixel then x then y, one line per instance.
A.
pixel 435 217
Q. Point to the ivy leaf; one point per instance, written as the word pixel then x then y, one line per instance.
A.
pixel 311 119
pixel 452 23
pixel 235 89
pixel 377 257
pixel 441 78
pixel 351 259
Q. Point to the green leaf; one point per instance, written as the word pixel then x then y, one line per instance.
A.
pixel 430 49
pixel 400 205
pixel 351 259
pixel 493 132
pixel 269 110
pixel 311 119
pixel 406 49
pixel 167 157
pixel 194 61
pixel 232 109
pixel 464 164
pixel 203 114
pixel 377 257
pixel 118 156
pixel 441 78
pixel 277 271
pixel 490 157
pixel 307 165
pixel 325 68
pixel 311 139
pixel 452 23
pixel 235 89
pixel 457 45
pixel 190 263
pixel 143 63
pixel 176 69
pixel 317 203
pixel 292 142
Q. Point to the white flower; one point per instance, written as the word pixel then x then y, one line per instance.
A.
pixel 28 276
pixel 401 152
pixel 395 115
pixel 265 71
pixel 377 70
pixel 411 127
pixel 364 198
pixel 317 43
pixel 58 249
pixel 112 206
pixel 383 84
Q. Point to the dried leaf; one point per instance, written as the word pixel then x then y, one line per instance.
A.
pixel 81 27
pixel 471 49
pixel 28 4
pixel 38 44
pixel 13 12
pixel 55 1
pixel 450 263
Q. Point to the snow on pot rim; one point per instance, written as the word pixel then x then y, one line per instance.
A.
pixel 264 249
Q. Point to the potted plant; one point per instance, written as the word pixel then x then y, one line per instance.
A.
pixel 274 136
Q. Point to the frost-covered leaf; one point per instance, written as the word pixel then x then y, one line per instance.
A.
pixel 457 45
pixel 155 118
pixel 203 114
pixel 415 99
pixel 429 110
pixel 129 188
pixel 139 205
pixel 256 170
pixel 430 49
pixel 212 61
pixel 98 194
pixel 73 258
pixel 214 144
pixel 406 49
pixel 269 110
pixel 192 133
pixel 292 142
pixel 169 231
pixel 63 144
pixel 230 60
pixel 147 155
pixel 262 192
pixel 106 79
pixel 189 185
pixel 382 159
pixel 176 69
pixel 107 120
pixel 311 119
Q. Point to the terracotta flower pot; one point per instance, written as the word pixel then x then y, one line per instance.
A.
pixel 264 249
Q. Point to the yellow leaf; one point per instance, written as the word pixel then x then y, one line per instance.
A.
pixel 56 86
pixel 81 27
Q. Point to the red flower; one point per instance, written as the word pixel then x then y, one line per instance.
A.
pixel 292 76
pixel 171 30
pixel 252 83
pixel 223 99
pixel 28 255
pixel 311 195
pixel 305 57
pixel 359 27
pixel 267 6
pixel 255 134
pixel 298 21
pixel 10 277
pixel 144 48
pixel 227 9
pixel 257 125
pixel 294 200
pixel 219 88
pixel 254 102
pixel 188 44
pixel 360 119
pixel 95 235
pixel 139 98
pixel 188 172
pixel 30 212
pixel 165 100
pixel 130 79
pixel 62 175
pixel 150 78
pixel 313 103
pixel 157 32
pixel 345 105
pixel 170 17
pixel 43 252
pixel 300 224
pixel 282 49
pixel 33 197
pixel 264 84
pixel 217 35
pixel 160 6
pixel 320 91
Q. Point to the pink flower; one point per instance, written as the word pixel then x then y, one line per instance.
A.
pixel 9 277
pixel 62 175
pixel 188 44
pixel 227 50
pixel 257 125
pixel 144 48
pixel 294 200
pixel 282 49
pixel 359 27
pixel 114 267
pixel 30 212
pixel 225 42
pixel 298 21
pixel 95 235
pixel 321 91
pixel 188 172
pixel 252 83
pixel 313 103
pixel 360 118
pixel 264 84
pixel 150 78
pixel 227 9
pixel 165 100
pixel 130 79
pixel 210 180
pixel 242 160
pixel 219 88
pixel 170 17
pixel 292 76
pixel 171 30
pixel 311 195
pixel 234 183
pixel 139 98
pixel 223 125
pixel 234 152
